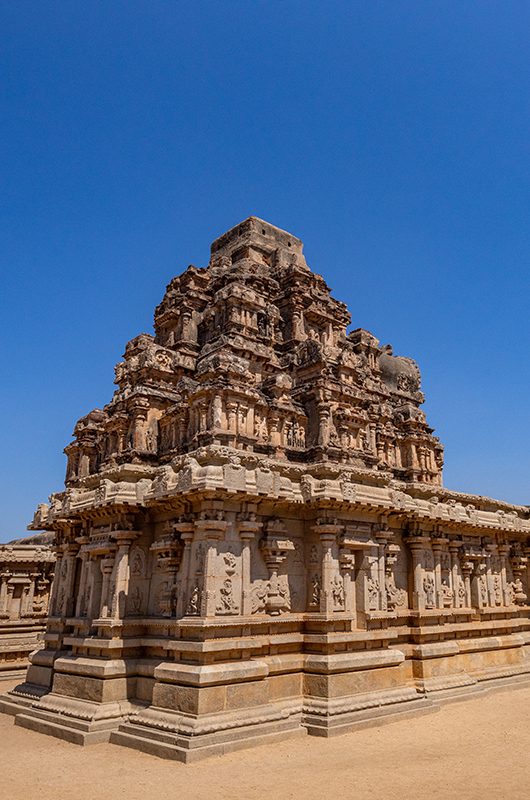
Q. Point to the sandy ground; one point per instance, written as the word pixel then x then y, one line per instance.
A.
pixel 473 749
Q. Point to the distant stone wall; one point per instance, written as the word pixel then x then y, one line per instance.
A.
pixel 26 574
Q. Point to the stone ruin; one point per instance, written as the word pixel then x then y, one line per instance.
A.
pixel 26 575
pixel 254 541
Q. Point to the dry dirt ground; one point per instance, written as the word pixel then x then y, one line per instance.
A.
pixel 472 749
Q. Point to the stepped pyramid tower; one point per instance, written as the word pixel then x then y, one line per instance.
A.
pixel 254 541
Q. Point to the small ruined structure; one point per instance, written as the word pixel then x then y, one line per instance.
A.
pixel 26 574
pixel 254 541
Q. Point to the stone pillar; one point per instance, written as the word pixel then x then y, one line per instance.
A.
pixel 120 576
pixel 328 533
pixel 186 531
pixel 25 599
pixel 368 586
pixel 4 577
pixel 437 546
pixel 107 567
pixel 10 592
pixel 488 555
pixel 417 546
pixel 382 537
pixel 479 589
pixel 54 599
pixel 95 573
pixel 83 554
pixel 275 547
pixel 466 565
pixel 248 528
pixel 140 409
pixel 323 425
pixel 28 605
pixel 504 550
pixel 455 577
pixel 210 531
pixel 69 580
pixel 347 564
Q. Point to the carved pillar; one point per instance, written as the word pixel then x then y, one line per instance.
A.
pixel 275 546
pixel 231 409
pixel 332 588
pixel 28 605
pixel 459 598
pixel 217 412
pixel 54 598
pixel 504 550
pixel 381 536
pixel 186 532
pixel 417 546
pixel 519 563
pixel 140 409
pixel 10 593
pixel 95 576
pixel 119 588
pixel 81 592
pixel 4 577
pixel 347 565
pixel 248 529
pixel 479 588
pixel 24 599
pixel 437 547
pixel 489 551
pixel 466 565
pixel 210 531
pixel 107 566
pixel 67 609
pixel 323 425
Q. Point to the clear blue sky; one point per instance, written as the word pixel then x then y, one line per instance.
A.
pixel 392 137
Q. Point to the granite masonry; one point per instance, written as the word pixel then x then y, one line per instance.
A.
pixel 254 541
pixel 26 574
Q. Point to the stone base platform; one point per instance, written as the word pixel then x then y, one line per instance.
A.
pixel 191 748
pixel 180 738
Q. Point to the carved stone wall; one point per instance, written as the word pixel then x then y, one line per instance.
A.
pixel 254 541
pixel 26 574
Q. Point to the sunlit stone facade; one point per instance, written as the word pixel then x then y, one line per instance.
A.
pixel 254 541
pixel 26 574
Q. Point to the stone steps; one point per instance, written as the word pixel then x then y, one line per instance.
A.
pixel 195 748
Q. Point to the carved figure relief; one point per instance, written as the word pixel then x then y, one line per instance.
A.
pixel 337 592
pixel 373 589
pixel 428 589
pixel 316 589
pixel 395 597
pixel 227 603
pixel 194 602
pixel 138 562
pixel 135 601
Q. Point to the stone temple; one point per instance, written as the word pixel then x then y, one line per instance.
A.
pixel 26 574
pixel 254 541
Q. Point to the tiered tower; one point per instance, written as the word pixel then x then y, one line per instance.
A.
pixel 254 540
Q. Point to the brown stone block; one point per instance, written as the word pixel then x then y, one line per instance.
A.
pixel 40 676
pixel 243 695
pixel 144 689
pixel 285 685
pixel 99 691
pixel 316 685
pixel 189 699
